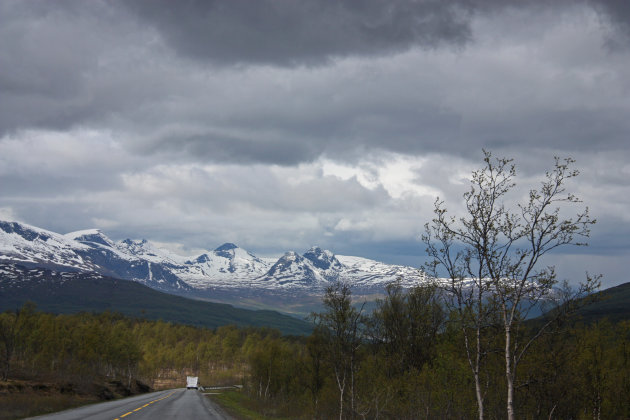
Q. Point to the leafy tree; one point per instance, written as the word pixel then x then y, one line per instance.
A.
pixel 407 324
pixel 342 328
pixel 493 254
pixel 12 328
pixel 315 369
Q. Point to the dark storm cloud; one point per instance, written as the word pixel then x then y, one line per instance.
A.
pixel 618 12
pixel 101 64
pixel 291 32
pixel 49 60
pixel 294 32
pixel 345 135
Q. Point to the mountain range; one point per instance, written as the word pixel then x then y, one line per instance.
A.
pixel 227 273
pixel 35 262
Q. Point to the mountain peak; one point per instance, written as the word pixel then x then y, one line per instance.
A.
pixel 140 242
pixel 291 261
pixel 27 232
pixel 85 232
pixel 226 247
pixel 93 236
pixel 322 258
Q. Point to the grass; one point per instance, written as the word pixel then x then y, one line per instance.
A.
pixel 241 407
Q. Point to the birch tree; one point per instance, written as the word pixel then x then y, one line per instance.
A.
pixel 492 258
pixel 341 327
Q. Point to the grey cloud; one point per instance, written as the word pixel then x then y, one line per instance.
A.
pixel 216 147
pixel 279 140
pixel 50 57
pixel 248 205
pixel 78 63
pixel 67 184
pixel 312 32
pixel 253 89
pixel 225 188
pixel 618 13
pixel 289 32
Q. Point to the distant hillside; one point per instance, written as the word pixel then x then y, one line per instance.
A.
pixel 71 292
pixel 612 303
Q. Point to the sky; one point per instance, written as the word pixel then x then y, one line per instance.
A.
pixel 283 124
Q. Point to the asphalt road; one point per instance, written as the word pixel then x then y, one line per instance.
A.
pixel 172 404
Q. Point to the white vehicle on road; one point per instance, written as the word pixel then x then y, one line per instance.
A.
pixel 192 382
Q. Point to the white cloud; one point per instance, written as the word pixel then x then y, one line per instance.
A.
pixel 7 213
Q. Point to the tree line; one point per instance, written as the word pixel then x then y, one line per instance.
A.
pixel 87 347
pixel 406 361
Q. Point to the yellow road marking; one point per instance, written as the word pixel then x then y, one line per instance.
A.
pixel 146 405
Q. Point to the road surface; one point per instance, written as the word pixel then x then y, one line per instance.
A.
pixel 171 404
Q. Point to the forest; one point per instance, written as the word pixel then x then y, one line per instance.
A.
pixel 405 360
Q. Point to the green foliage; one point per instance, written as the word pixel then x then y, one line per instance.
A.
pixel 406 326
pixel 341 329
pixel 86 348
pixel 581 371
pixel 491 256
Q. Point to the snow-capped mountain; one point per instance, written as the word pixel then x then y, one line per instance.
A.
pixel 292 268
pixel 227 268
pixel 32 246
pixel 368 274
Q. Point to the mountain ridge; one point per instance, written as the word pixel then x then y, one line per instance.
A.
pixel 227 267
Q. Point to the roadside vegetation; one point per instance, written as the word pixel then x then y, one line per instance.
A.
pixel 409 363
pixel 51 362
pixel 403 361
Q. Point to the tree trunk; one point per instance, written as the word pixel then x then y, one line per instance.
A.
pixel 479 395
pixel 352 388
pixel 341 384
pixel 341 405
pixel 268 382
pixel 478 390
pixel 509 374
